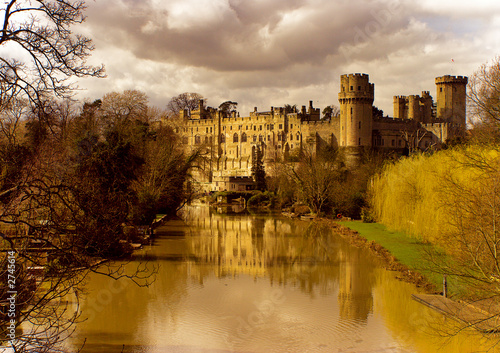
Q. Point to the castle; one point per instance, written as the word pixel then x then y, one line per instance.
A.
pixel 229 140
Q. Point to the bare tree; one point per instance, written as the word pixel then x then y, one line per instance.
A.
pixel 56 222
pixel 189 101
pixel 227 108
pixel 316 179
pixel 49 53
pixel 412 139
pixel 484 93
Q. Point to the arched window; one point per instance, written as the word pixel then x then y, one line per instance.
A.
pixel 291 137
pixel 298 136
pixel 222 138
pixel 197 139
pixel 235 137
pixel 244 137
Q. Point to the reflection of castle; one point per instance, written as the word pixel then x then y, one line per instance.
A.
pixel 285 251
pixel 418 123
pixel 255 246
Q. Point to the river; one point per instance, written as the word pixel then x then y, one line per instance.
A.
pixel 253 283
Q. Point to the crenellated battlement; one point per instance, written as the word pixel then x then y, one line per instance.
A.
pixel 451 79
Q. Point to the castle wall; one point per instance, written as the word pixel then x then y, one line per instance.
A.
pixel 229 142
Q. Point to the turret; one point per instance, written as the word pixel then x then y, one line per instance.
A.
pixel 356 110
pixel 400 109
pixel 450 99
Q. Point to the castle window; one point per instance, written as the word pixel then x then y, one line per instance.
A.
pixel 210 139
pixel 260 127
pixel 281 126
pixel 244 137
pixel 210 130
pixel 291 137
pixel 440 89
pixel 197 139
pixel 222 138
pixel 268 137
pixel 360 125
pixel 359 141
pixel 291 126
pixel 235 137
pixel 206 139
pixel 359 88
pixel 352 88
pixel 272 126
pixel 298 136
pixel 279 137
pixel 231 127
pixel 291 146
pixel 207 129
pixel 255 128
pixel 254 138
pixel 343 89
pixel 261 138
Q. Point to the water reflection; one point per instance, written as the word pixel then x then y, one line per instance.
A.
pixel 245 283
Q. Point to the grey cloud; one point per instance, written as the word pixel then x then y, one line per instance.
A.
pixel 263 52
pixel 237 42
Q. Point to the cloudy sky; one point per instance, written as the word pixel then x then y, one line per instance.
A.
pixel 272 52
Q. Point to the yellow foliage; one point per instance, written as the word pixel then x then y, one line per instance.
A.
pixel 427 196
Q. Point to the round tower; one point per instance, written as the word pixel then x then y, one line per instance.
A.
pixel 356 110
pixel 450 97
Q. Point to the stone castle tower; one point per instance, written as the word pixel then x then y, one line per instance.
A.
pixel 356 110
pixel 414 107
pixel 451 97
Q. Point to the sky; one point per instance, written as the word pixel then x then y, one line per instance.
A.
pixel 263 53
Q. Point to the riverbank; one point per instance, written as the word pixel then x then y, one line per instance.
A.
pixel 398 251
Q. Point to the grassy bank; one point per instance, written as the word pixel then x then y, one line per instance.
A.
pixel 407 250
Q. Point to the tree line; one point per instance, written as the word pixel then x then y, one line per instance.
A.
pixel 75 178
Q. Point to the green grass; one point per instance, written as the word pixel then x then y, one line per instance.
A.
pixel 409 251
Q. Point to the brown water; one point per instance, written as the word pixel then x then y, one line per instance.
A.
pixel 229 283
